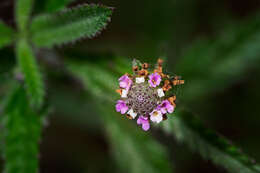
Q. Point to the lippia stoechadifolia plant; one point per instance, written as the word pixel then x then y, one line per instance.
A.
pixel 147 94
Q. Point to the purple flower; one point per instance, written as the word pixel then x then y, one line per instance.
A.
pixel 144 121
pixel 125 82
pixel 121 107
pixel 154 79
pixel 165 107
pixel 156 116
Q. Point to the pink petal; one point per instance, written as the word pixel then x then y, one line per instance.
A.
pixel 170 108
pixel 152 84
pixel 139 121
pixel 154 77
pixel 142 120
pixel 118 107
pixel 122 78
pixel 124 109
pixel 146 126
pixel 129 84
pixel 123 84
pixel 163 111
pixel 158 81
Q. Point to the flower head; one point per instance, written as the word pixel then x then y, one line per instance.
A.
pixel 125 82
pixel 165 107
pixel 154 79
pixel 142 98
pixel 144 122
pixel 121 107
pixel 146 95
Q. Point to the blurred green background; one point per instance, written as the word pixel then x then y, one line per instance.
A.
pixel 213 45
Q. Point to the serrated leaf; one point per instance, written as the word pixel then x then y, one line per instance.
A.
pixel 134 150
pixel 33 78
pixel 22 130
pixel 190 131
pixel 69 25
pixel 6 35
pixel 23 11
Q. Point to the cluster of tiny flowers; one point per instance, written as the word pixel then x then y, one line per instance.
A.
pixel 147 95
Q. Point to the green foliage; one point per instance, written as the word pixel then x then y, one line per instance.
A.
pixel 20 125
pixel 225 59
pixel 30 70
pixel 184 126
pixel 23 11
pixel 6 35
pixel 208 66
pixel 69 25
pixel 22 129
pixel 135 151
pixel 189 130
pixel 99 87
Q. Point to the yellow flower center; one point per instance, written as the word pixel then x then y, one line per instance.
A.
pixel 155 113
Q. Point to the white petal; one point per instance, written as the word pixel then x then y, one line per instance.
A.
pixel 131 113
pixel 156 117
pixel 139 79
pixel 160 92
pixel 124 93
pixel 159 118
pixel 153 118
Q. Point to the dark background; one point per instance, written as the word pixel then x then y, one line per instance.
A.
pixel 74 139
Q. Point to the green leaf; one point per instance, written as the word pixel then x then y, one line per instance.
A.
pixel 31 72
pixel 6 35
pixel 22 130
pixel 134 150
pixel 23 11
pixel 189 130
pixel 69 25
pixel 99 87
